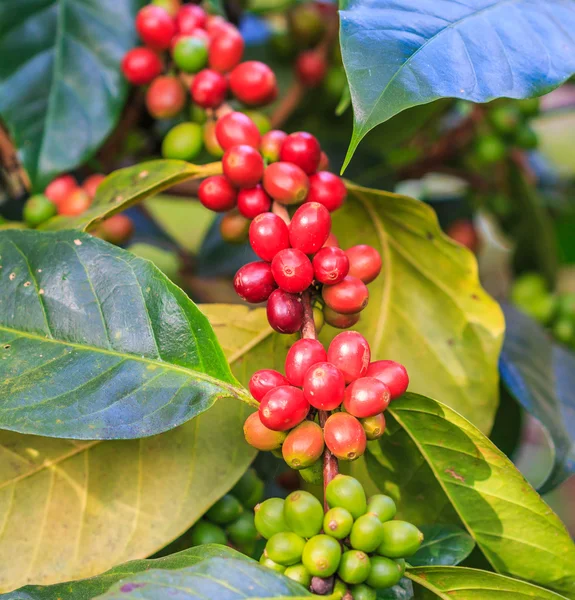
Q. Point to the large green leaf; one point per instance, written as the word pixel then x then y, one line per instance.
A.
pixel 98 344
pixel 427 308
pixel 442 545
pixel 61 89
pixel 401 53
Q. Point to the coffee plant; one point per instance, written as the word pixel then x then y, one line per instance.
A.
pixel 357 433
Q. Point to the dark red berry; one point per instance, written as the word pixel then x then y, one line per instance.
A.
pixel 330 265
pixel 141 66
pixel 324 386
pixel 268 235
pixel 311 67
pixel 259 436
pixel 350 353
pixel 271 144
pixel 344 436
pixel 217 193
pixel 189 18
pixel 366 397
pixel 209 88
pixel 155 27
pixel 303 445
pixel 392 373
pixel 265 380
pixel 463 232
pixel 374 426
pixel 225 51
pixel 302 149
pixel 309 227
pixel 338 320
pixel 253 83
pixel 234 227
pixel 165 97
pixel 243 166
pixel 283 408
pixel 286 183
pixel 254 282
pixel 327 189
pixel 253 202
pixel 301 356
pixel 364 262
pixel 292 270
pixel 347 297
pixel 323 162
pixel 234 129
pixel 284 311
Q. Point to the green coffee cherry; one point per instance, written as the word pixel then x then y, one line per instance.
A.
pixel 299 573
pixel 183 142
pixel 529 107
pixel 566 305
pixel 334 83
pixel 384 573
pixel 541 309
pixel 401 564
pixel 225 510
pixel 38 208
pixel 242 530
pixel 313 474
pixel 383 506
pixel 526 138
pixel 564 330
pixel 528 287
pixel 249 490
pixel 337 522
pixel 354 566
pixel 204 532
pixel 339 589
pixel 262 121
pixel 303 513
pixel 366 533
pixel 270 564
pixel 348 493
pixel 269 517
pixel 504 119
pixel 490 149
pixel 198 114
pixel 363 592
pixel 285 548
pixel 190 54
pixel 400 539
pixel 321 555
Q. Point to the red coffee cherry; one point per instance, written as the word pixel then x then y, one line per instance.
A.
pixel 338 320
pixel 392 373
pixel 225 51
pixel 165 97
pixel 303 445
pixel 286 183
pixel 324 386
pixel 141 66
pixel 236 129
pixel 92 183
pixel 347 297
pixel 323 162
pixel 292 270
pixel 374 427
pixel 209 88
pixel 253 83
pixel 301 356
pixel 155 27
pixel 74 203
pixel 259 436
pixel 210 140
pixel 117 229
pixel 284 311
pixel 254 282
pixel 243 166
pixel 327 189
pixel 350 353
pixel 216 25
pixel 331 241
pixel 344 436
pixel 268 235
pixel 283 408
pixel 330 264
pixel 234 227
pixel 253 202
pixel 309 227
pixel 217 194
pixel 310 68
pixel 364 262
pixel 301 149
pixel 60 188
pixel 265 380
pixel 463 232
pixel 271 144
pixel 365 397
pixel 189 18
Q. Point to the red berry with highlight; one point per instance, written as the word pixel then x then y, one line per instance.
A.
pixel 286 183
pixel 346 297
pixel 301 356
pixel 338 320
pixel 243 166
pixel 234 129
pixel 327 189
pixel 254 282
pixel 364 262
pixel 284 311
pixel 303 445
pixel 268 235
pixel 330 264
pixel 302 149
pixel 366 397
pixel 374 426
pixel 165 97
pixel 253 83
pixel 217 193
pixel 60 188
pixel 259 436
pixel 350 353
pixel 265 380
pixel 225 51
pixel 283 408
pixel 324 386
pixel 311 68
pixel 141 66
pixel 189 18
pixel 75 203
pixel 209 88
pixel 309 227
pixel 344 436
pixel 253 202
pixel 271 144
pixel 292 270
pixel 155 26
pixel 392 373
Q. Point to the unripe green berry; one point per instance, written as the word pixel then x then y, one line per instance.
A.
pixel 204 532
pixel 190 54
pixel 384 573
pixel 303 513
pixel 313 474
pixel 529 107
pixel 285 548
pixel 183 142
pixel 339 589
pixel 504 118
pixel 321 555
pixel 262 121
pixel 401 564
pixel 366 533
pixel 225 510
pixel 490 149
pixel 242 530
pixel 249 490
pixel 526 138
pixel 198 114
pixel 400 539
pixel 354 566
pixel 337 522
pixel 363 592
pixel 270 564
pixel 383 506
pixel 269 517
pixel 38 208
pixel 300 574
pixel 348 493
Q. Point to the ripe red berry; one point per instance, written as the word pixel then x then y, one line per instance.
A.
pixel 91 184
pixel 253 83
pixel 74 203
pixel 463 232
pixel 392 373
pixel 311 67
pixel 324 386
pixel 217 193
pixel 117 229
pixel 60 188
pixel 309 227
pixel 330 264
pixel 350 353
pixel 225 51
pixel 347 297
pixel 189 18
pixel 284 311
pixel 323 162
pixel 331 240
pixel 254 282
pixel 234 129
pixel 364 262
pixel 292 270
pixel 268 235
pixel 283 408
pixel 209 89
pixel 271 144
pixel 165 97
pixel 303 445
pixel 286 183
pixel 216 25
pixel 327 189
pixel 259 436
pixel 265 380
pixel 302 149
pixel 243 166
pixel 344 436
pixel 301 356
pixel 234 227
pixel 155 27
pixel 253 202
pixel 374 427
pixel 338 320
pixel 141 65
pixel 366 397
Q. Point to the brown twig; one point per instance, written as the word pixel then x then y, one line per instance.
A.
pixel 288 104
pixel 16 178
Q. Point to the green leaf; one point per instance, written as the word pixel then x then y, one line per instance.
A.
pixel 442 545
pixel 61 89
pixel 401 53
pixel 427 308
pixel 460 583
pixel 131 185
pixel 98 344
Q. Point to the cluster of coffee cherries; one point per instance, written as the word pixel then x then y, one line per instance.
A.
pixel 343 380
pixel 357 541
